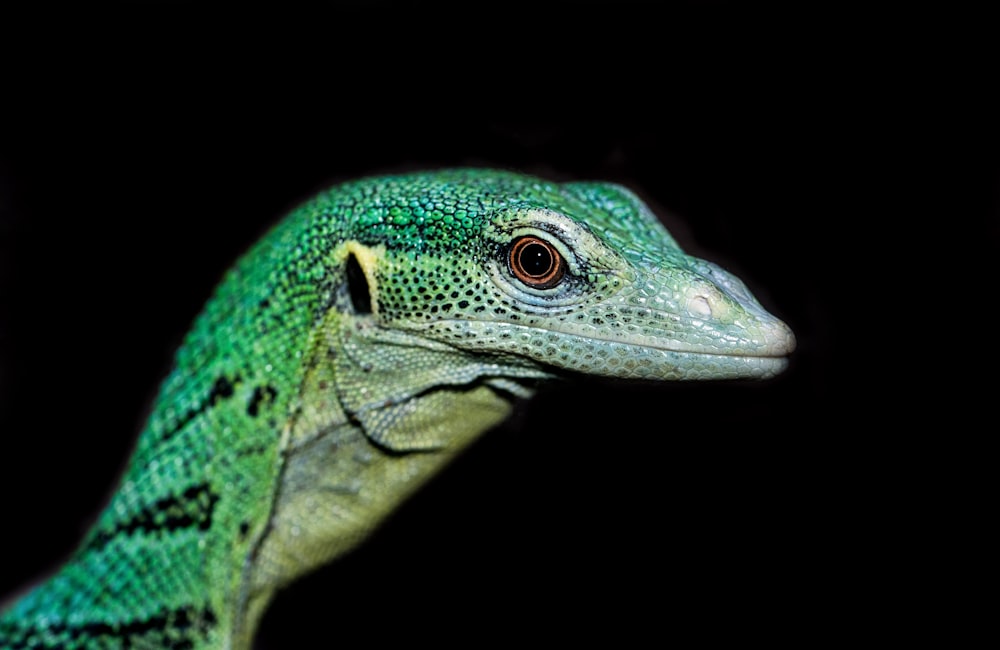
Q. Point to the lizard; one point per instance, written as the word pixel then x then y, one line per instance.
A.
pixel 352 352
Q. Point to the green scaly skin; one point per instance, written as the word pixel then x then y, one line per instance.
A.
pixel 349 355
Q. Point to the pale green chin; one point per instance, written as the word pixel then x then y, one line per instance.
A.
pixel 634 362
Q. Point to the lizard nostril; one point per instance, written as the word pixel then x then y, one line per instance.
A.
pixel 699 306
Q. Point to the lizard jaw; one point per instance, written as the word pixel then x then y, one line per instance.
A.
pixel 627 356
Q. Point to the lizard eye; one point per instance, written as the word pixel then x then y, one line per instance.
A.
pixel 535 262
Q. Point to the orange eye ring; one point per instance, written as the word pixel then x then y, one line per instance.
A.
pixel 536 262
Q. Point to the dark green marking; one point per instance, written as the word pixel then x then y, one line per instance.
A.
pixel 262 395
pixel 177 629
pixel 192 508
pixel 222 389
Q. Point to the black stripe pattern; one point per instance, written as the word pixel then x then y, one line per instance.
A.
pixel 176 629
pixel 192 508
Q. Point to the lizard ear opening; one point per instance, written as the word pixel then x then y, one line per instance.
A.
pixel 357 286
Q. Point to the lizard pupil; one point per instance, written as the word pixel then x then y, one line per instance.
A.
pixel 535 262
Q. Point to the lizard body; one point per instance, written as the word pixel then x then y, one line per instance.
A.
pixel 349 355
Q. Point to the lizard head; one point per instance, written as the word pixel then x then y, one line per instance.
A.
pixel 578 277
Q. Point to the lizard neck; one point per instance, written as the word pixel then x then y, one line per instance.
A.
pixel 339 478
pixel 164 563
pixel 156 571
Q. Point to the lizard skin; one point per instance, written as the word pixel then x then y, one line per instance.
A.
pixel 350 354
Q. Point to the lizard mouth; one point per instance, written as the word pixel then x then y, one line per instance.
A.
pixel 654 360
pixel 762 355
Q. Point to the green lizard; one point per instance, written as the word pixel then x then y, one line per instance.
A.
pixel 349 355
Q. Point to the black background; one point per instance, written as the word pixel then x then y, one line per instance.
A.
pixel 831 160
